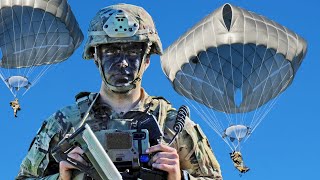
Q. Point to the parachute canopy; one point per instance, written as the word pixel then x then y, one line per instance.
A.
pixel 234 61
pixel 233 50
pixel 35 33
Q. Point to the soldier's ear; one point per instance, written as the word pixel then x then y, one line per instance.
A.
pixel 147 62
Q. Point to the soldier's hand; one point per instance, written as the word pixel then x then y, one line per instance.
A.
pixel 166 159
pixel 65 168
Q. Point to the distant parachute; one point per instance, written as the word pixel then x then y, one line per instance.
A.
pixel 234 61
pixel 34 34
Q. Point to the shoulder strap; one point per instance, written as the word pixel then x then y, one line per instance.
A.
pixel 159 106
pixel 85 101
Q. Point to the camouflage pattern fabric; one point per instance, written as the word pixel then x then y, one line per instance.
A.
pixel 146 33
pixel 196 156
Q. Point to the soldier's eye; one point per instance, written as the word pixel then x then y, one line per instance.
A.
pixel 111 52
pixel 133 53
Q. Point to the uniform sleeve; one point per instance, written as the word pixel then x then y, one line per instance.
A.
pixel 39 163
pixel 197 160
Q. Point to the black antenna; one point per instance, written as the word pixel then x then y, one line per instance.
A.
pixel 183 112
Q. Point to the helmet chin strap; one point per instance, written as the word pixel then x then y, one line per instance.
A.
pixel 130 85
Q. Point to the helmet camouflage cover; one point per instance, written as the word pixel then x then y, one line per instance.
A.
pixel 122 23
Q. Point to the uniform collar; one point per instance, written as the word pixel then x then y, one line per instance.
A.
pixel 103 110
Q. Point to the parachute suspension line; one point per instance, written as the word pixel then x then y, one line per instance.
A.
pixel 37 34
pixel 202 89
pixel 216 128
pixel 4 23
pixel 40 59
pixel 229 118
pixel 44 39
pixel 242 120
pixel 206 75
pixel 264 82
pixel 216 121
pixel 21 36
pixel 17 57
pixel 256 81
pixel 213 117
pixel 3 79
pixel 255 124
pixel 270 106
pixel 15 44
pixel 255 55
pixel 14 32
pixel 274 72
pixel 283 77
pixel 2 73
pixel 233 83
pixel 46 67
pixel 29 30
pixel 248 89
pixel 266 109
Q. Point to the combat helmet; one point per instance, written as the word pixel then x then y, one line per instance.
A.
pixel 122 23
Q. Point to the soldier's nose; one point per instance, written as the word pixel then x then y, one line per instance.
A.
pixel 123 63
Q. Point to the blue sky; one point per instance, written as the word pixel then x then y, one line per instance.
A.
pixel 285 144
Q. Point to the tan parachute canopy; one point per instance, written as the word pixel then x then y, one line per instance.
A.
pixel 35 33
pixel 234 61
pixel 233 50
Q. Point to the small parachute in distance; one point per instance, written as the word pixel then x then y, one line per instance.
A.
pixel 235 62
pixel 34 35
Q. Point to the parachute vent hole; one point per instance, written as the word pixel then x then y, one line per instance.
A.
pixel 195 60
pixel 227 16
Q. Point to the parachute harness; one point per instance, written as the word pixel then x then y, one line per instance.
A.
pixel 238 162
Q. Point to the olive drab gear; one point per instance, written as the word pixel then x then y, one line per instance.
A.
pixel 237 159
pixel 122 23
pixel 197 160
pixel 15 106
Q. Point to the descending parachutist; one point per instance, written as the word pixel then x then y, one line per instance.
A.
pixel 15 106
pixel 238 162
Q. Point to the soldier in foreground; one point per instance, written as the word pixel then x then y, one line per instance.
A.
pixel 121 39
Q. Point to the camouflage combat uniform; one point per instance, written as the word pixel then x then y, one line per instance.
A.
pixel 196 157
